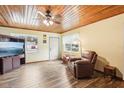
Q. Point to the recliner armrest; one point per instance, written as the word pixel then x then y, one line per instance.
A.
pixel 82 62
pixel 74 59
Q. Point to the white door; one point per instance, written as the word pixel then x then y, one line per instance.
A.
pixel 53 48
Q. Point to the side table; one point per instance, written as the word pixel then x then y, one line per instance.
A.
pixel 110 71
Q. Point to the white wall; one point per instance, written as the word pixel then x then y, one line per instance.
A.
pixel 43 49
pixel 106 37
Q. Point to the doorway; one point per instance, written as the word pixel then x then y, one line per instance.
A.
pixel 54 48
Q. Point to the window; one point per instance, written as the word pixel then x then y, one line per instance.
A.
pixel 71 43
pixel 68 47
pixel 75 47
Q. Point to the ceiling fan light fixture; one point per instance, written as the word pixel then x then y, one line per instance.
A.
pixel 52 17
pixel 45 21
pixel 48 18
pixel 48 22
pixel 51 22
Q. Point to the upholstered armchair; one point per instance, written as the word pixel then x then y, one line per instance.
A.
pixel 84 66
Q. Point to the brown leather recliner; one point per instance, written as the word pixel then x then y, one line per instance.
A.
pixel 84 66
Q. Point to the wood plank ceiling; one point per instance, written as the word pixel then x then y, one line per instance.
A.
pixel 72 16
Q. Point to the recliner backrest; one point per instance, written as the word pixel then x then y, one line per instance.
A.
pixel 90 55
pixel 94 59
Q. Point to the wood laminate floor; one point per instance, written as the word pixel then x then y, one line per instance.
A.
pixel 52 74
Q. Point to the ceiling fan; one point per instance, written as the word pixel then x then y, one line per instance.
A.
pixel 48 18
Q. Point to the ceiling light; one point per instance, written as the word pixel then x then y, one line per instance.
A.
pixel 51 22
pixel 45 21
pixel 52 17
pixel 48 22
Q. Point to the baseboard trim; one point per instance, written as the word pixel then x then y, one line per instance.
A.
pixel 118 78
pixel 36 61
pixel 41 61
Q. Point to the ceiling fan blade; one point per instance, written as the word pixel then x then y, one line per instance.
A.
pixel 58 16
pixel 39 12
pixel 57 22
pixel 37 18
pixel 57 19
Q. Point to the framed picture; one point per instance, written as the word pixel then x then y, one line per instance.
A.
pixel 44 41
